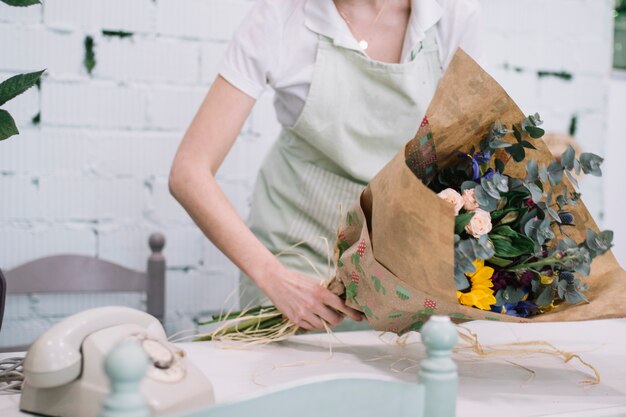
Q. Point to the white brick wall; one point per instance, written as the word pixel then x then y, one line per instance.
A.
pixel 91 178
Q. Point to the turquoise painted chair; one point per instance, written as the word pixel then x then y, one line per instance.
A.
pixel 433 396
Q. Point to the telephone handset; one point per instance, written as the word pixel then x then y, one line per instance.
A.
pixel 64 374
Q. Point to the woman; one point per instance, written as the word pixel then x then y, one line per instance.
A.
pixel 353 79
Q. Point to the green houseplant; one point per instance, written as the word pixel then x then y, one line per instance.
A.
pixel 16 85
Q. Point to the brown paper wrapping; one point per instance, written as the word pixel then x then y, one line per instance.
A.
pixel 396 243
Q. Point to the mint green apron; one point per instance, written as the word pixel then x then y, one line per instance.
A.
pixel 357 115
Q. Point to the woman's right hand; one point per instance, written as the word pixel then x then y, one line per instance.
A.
pixel 304 301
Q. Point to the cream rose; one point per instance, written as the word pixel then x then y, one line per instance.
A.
pixel 480 223
pixel 453 198
pixel 469 200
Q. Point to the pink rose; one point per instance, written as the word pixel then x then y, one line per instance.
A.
pixel 469 200
pixel 480 223
pixel 453 198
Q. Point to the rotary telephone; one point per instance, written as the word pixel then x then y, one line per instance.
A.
pixel 64 368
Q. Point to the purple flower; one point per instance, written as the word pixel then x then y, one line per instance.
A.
pixel 521 309
pixel 478 159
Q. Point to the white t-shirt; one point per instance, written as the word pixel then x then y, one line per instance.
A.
pixel 276 44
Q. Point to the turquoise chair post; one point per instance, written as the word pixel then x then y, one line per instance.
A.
pixel 438 372
pixel 125 366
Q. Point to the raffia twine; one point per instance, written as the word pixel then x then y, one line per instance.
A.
pixel 284 329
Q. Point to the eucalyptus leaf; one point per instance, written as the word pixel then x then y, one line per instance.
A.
pixel 485 201
pixel 499 165
pixel 509 295
pixel 573 295
pixel 535 132
pixel 543 174
pixel 535 192
pixel 490 187
pixel 501 182
pixel 517 152
pixel 567 158
pixel 572 179
pixel 545 296
pixel 498 144
pixel 468 185
pixel 554 215
pixel 532 171
pixel 555 173
pixel 591 163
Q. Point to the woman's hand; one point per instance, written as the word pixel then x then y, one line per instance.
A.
pixel 304 301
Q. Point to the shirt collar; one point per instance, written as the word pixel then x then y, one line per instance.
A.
pixel 322 17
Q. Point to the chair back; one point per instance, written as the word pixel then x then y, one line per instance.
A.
pixel 84 274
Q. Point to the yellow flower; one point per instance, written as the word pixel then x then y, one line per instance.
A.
pixel 546 280
pixel 481 293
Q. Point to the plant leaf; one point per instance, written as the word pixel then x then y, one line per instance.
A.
pixel 590 163
pixel 461 221
pixel 517 152
pixel 7 125
pixel 21 3
pixel 567 158
pixel 532 171
pixel 535 132
pixel 17 84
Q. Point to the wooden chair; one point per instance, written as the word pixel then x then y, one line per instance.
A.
pixel 433 396
pixel 78 273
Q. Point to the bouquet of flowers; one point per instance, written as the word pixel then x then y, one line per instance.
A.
pixel 473 219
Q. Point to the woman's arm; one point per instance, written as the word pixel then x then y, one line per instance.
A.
pixel 192 182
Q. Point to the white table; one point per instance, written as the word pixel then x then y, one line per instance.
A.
pixel 498 387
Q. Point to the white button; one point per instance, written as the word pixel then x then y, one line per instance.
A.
pixel 363 44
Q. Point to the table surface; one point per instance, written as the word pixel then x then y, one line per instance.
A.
pixel 511 385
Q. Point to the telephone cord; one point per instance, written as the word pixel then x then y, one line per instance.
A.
pixel 11 375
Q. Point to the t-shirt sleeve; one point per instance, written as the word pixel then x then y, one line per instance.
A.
pixel 461 26
pixel 252 55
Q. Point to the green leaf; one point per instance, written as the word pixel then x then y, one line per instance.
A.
pixel 572 179
pixel 17 84
pixel 506 247
pixel 7 125
pixel 509 295
pixel 532 171
pixel 554 215
pixel 486 202
pixel 21 3
pixel 527 144
pixel 490 188
pixel 555 173
pixel 535 132
pixel 517 133
pixel 545 297
pixel 509 243
pixel 89 60
pixel 567 158
pixel 502 263
pixel 590 163
pixel 573 295
pixel 517 152
pixel 499 165
pixel 461 221
pixel 535 192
